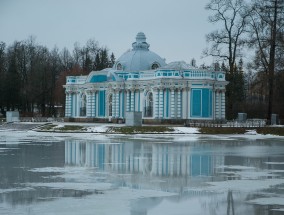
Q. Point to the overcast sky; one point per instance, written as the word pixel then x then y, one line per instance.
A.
pixel 175 29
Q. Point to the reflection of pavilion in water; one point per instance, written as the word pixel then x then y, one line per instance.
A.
pixel 154 166
pixel 157 159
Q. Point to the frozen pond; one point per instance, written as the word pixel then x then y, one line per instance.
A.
pixel 140 175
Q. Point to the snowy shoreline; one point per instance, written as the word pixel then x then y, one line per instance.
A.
pixel 96 131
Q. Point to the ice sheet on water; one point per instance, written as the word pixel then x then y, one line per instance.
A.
pixel 65 169
pixel 74 174
pixel 278 209
pixel 236 167
pixel 73 185
pixel 9 190
pixel 275 170
pixel 17 137
pixel 256 175
pixel 110 202
pixel 245 185
pixel 274 200
pixel 275 163
pixel 189 137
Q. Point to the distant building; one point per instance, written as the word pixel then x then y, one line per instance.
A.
pixel 140 80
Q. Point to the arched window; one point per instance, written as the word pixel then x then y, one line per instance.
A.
pixel 119 66
pixel 83 105
pixel 148 109
pixel 110 105
pixel 155 66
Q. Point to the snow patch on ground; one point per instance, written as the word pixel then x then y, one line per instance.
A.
pixel 186 130
pixel 251 132
pixel 99 131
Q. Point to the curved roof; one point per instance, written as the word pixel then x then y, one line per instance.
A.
pixel 178 65
pixel 140 57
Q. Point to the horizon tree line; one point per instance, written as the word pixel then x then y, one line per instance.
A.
pixel 32 76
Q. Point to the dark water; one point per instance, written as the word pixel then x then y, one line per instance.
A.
pixel 142 175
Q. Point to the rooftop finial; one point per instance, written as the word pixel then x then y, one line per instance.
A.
pixel 140 42
pixel 140 37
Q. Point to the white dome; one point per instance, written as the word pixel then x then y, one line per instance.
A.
pixel 139 58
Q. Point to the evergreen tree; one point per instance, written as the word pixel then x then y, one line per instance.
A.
pixel 235 90
pixel 112 60
pixel 2 74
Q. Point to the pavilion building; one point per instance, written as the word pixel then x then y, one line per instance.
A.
pixel 140 80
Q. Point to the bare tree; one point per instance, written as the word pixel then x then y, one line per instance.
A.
pixel 226 42
pixel 266 31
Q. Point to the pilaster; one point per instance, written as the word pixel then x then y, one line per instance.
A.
pixel 178 104
pixel 156 103
pixel 172 105
pixel 117 104
pixel 161 103
pixel 132 101
pixel 127 101
pixel 94 109
pixel 112 102
pixel 223 104
pixel 68 107
pixel 89 103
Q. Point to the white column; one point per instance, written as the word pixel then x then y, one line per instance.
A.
pixel 213 104
pixel 156 103
pixel 77 104
pixel 217 110
pixel 161 103
pixel 178 104
pixel 127 101
pixel 188 103
pixel 89 104
pixel 172 103
pixel 112 105
pixel 117 103
pixel 68 104
pixel 132 100
pixel 140 101
pixel 74 105
pixel 222 105
pixel 95 103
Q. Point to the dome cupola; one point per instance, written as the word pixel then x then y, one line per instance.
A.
pixel 140 58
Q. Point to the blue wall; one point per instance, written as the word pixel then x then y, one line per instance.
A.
pixel 98 78
pixel 201 103
pixel 102 96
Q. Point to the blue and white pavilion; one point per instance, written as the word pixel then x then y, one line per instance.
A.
pixel 140 80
